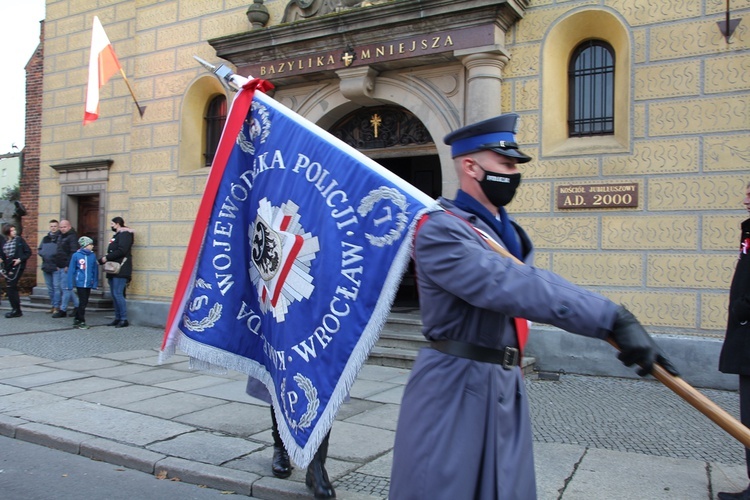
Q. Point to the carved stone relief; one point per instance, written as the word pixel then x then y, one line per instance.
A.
pixel 303 9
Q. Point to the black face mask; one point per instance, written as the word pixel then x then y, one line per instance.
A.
pixel 499 188
pixel 114 229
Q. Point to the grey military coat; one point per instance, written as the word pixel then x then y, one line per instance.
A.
pixel 464 430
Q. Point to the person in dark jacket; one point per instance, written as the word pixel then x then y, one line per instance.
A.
pixel 15 252
pixel 67 245
pixel 2 242
pixel 119 251
pixel 48 251
pixel 464 429
pixel 735 353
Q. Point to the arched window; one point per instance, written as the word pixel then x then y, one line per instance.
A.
pixel 591 87
pixel 216 116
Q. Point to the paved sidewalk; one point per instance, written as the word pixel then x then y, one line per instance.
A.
pixel 100 393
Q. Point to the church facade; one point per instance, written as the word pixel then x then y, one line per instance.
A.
pixel 635 192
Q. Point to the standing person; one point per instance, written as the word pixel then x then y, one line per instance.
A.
pixel 316 477
pixel 83 274
pixel 67 245
pixel 47 251
pixel 464 429
pixel 2 242
pixel 735 353
pixel 15 253
pixel 119 251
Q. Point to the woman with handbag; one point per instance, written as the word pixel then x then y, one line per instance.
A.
pixel 118 266
pixel 15 252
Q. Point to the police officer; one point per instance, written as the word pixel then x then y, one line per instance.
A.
pixel 464 429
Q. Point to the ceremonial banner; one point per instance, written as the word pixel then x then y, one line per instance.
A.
pixel 298 249
pixel 103 63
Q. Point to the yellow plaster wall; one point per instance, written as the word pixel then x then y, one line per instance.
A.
pixel 687 146
pixel 682 134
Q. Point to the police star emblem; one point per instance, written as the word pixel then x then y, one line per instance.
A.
pixel 282 252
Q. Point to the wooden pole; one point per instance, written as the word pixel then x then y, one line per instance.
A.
pixel 676 384
pixel 700 402
pixel 141 110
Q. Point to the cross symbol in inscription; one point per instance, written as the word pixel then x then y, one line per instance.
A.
pixel 375 121
pixel 347 58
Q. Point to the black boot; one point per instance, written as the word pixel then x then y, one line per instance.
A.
pixel 741 495
pixel 281 465
pixel 15 313
pixel 317 476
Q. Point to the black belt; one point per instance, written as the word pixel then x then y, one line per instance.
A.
pixel 508 357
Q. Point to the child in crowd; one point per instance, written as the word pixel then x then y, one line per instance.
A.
pixel 83 273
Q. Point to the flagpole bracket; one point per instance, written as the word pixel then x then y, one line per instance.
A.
pixel 231 81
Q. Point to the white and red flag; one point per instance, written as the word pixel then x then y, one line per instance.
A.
pixel 103 64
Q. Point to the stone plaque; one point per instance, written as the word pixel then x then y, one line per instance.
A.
pixel 597 196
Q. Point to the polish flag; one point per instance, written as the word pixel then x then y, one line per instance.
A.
pixel 103 64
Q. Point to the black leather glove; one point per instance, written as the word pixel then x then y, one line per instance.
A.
pixel 636 345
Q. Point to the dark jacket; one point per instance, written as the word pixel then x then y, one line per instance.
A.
pixel 119 250
pixel 67 245
pixel 48 251
pixel 735 353
pixel 22 252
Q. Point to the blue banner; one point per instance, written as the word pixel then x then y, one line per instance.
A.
pixel 298 264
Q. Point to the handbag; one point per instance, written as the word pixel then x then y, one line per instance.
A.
pixel 111 267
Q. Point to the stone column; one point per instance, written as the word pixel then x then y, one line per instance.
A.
pixel 484 73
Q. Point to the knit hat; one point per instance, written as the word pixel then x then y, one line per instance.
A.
pixel 85 241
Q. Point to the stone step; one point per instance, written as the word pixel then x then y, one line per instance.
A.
pixel 413 340
pixel 39 299
pixel 401 339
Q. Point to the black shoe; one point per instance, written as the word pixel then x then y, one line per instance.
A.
pixel 317 476
pixel 60 314
pixel 114 322
pixel 15 313
pixel 742 495
pixel 122 324
pixel 281 466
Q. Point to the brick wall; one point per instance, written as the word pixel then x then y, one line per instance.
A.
pixel 30 158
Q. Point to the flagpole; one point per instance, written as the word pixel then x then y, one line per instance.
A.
pixel 686 391
pixel 141 110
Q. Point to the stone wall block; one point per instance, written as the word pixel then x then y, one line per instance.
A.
pixel 562 232
pixel 714 311
pixel 649 232
pixel 597 269
pixel 560 169
pixel 660 309
pixel 690 271
pixel 705 192
pixel 644 12
pixel 531 198
pixel 726 152
pixel 699 116
pixel 668 80
pixel 662 156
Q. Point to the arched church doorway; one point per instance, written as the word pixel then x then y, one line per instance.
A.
pixel 398 140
